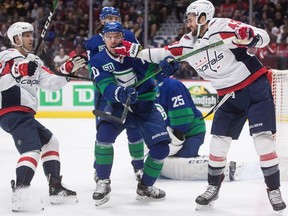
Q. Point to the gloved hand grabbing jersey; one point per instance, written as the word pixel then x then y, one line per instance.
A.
pixel 24 68
pixel 245 37
pixel 122 94
pixel 73 64
pixel 169 65
pixel 128 49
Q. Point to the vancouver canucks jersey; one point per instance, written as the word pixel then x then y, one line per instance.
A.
pixel 108 72
pixel 96 43
pixel 178 109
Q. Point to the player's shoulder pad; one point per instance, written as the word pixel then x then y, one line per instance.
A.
pixel 93 42
pixel 10 54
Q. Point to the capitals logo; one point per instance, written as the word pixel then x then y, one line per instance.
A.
pixel 209 62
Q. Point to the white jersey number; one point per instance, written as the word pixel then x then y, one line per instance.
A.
pixel 178 101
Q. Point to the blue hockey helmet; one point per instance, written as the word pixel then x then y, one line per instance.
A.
pixel 109 11
pixel 112 27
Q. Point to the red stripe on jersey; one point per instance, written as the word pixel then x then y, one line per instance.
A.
pixel 7 67
pixel 47 69
pixel 218 159
pixel 244 83
pixel 16 108
pixel 50 153
pixel 29 159
pixel 225 35
pixel 268 157
pixel 174 50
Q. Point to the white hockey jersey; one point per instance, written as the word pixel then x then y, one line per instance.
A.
pixel 228 67
pixel 22 95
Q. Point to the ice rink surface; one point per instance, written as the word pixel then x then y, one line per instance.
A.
pixel 76 136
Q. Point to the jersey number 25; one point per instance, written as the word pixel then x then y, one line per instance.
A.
pixel 177 101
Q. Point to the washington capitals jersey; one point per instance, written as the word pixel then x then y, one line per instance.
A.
pixel 96 43
pixel 21 95
pixel 108 72
pixel 228 67
pixel 178 109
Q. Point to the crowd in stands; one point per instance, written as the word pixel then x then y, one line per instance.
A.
pixel 69 28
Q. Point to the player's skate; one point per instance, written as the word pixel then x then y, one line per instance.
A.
pixel 152 192
pixel 276 200
pixel 21 201
pixel 208 197
pixel 59 194
pixel 102 193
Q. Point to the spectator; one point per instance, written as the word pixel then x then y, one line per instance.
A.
pixel 78 50
pixel 60 58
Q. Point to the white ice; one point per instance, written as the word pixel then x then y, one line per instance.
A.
pixel 245 197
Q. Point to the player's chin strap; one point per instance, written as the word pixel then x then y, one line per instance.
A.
pixel 218 104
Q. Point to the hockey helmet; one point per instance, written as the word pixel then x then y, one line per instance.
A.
pixel 17 29
pixel 109 11
pixel 113 27
pixel 201 7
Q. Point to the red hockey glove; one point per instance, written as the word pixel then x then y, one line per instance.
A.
pixel 245 37
pixel 128 49
pixel 73 64
pixel 24 68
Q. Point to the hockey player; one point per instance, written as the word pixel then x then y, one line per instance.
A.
pixel 187 131
pixel 93 46
pixel 21 74
pixel 115 77
pixel 231 71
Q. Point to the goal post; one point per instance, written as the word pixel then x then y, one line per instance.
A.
pixel 280 95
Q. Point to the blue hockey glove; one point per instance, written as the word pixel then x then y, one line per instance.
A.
pixel 169 66
pixel 122 94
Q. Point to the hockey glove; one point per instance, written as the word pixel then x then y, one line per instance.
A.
pixel 128 49
pixel 169 66
pixel 24 68
pixel 245 37
pixel 123 93
pixel 73 64
pixel 176 142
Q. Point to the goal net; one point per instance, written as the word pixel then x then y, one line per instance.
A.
pixel 280 94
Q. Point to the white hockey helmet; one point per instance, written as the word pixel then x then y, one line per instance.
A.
pixel 17 29
pixel 201 7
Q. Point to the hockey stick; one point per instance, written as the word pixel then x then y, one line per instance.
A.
pixel 108 116
pixel 45 28
pixel 218 43
pixel 42 36
pixel 152 74
pixel 218 104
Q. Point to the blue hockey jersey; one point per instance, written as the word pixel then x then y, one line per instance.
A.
pixel 178 109
pixel 108 72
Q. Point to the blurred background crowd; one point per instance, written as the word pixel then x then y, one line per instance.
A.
pixel 69 28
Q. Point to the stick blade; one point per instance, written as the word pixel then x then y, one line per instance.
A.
pixel 99 113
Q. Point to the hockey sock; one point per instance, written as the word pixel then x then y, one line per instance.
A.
pixel 152 170
pixel 104 155
pixel 272 177
pixel 136 151
pixel 50 157
pixel 215 175
pixel 26 167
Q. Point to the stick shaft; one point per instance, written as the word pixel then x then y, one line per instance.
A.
pixel 45 28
